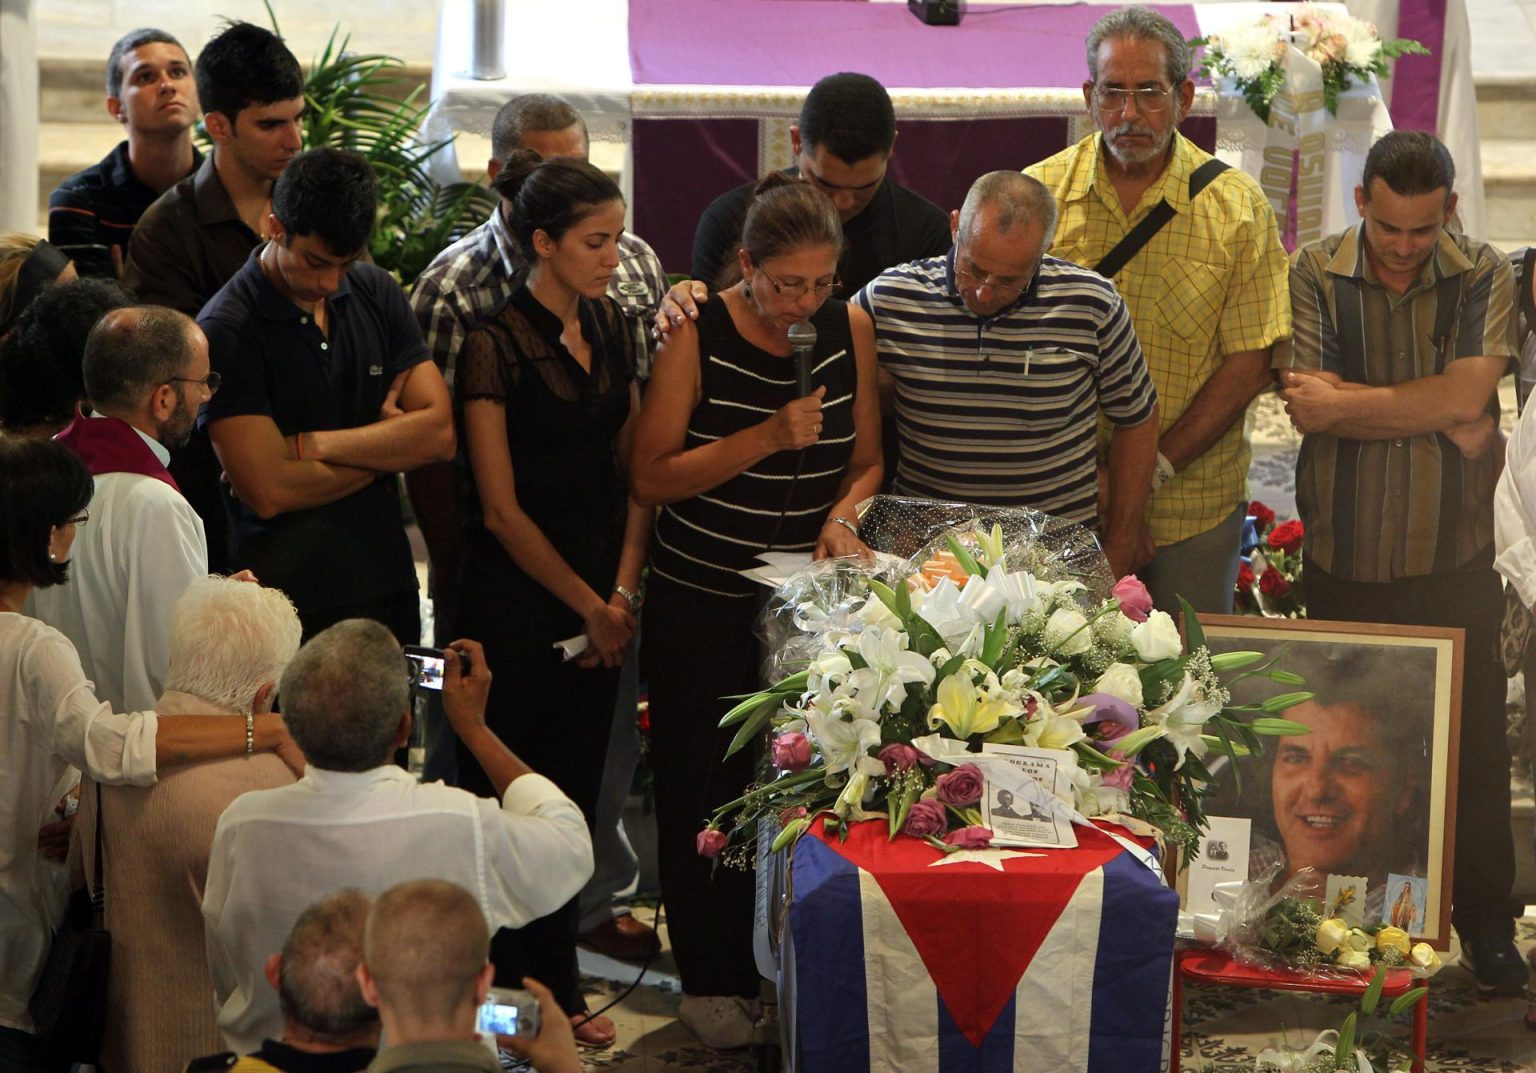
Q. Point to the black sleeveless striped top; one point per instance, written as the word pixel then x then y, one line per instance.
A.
pixel 703 542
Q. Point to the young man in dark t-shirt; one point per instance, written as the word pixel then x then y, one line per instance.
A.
pixel 327 393
pixel 842 143
pixel 150 91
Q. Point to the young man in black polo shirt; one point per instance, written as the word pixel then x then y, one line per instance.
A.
pixel 842 144
pixel 328 391
pixel 150 91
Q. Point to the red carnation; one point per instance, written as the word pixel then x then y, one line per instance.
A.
pixel 1273 584
pixel 1263 517
pixel 1287 537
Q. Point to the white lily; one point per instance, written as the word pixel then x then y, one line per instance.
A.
pixel 967 709
pixel 891 668
pixel 1182 718
pixel 1050 729
pixel 875 613
pixel 841 741
pixel 991 545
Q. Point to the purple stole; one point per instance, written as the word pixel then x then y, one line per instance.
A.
pixel 108 445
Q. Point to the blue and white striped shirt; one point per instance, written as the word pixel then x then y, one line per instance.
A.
pixel 1003 409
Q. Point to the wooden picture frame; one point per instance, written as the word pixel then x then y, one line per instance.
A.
pixel 1372 791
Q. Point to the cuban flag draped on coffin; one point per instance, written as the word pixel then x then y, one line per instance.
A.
pixel 1059 960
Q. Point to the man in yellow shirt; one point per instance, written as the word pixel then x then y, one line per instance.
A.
pixel 1207 292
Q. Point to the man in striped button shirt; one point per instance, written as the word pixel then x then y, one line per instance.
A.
pixel 1001 359
pixel 1402 331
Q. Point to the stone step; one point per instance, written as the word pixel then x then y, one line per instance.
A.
pixel 1509 187
pixel 1504 107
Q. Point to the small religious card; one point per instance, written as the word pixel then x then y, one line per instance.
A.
pixel 1223 859
pixel 1027 800
pixel 1345 899
pixel 1406 903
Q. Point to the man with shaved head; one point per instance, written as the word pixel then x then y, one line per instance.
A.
pixel 426 967
pixel 1001 358
pixel 146 373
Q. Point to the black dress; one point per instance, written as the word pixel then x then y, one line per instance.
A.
pixel 562 426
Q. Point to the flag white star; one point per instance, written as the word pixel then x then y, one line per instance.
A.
pixel 992 858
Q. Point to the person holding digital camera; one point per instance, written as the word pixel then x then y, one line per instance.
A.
pixel 425 967
pixel 357 820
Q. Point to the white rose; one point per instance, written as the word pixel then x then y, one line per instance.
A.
pixel 1157 638
pixel 1066 632
pixel 1122 681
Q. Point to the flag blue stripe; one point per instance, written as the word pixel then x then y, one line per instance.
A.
pixel 831 1002
pixel 1131 974
pixel 995 1055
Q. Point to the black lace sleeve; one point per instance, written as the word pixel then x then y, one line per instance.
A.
pixel 487 367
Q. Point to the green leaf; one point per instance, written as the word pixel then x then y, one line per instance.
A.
pixel 1405 1000
pixel 1010 732
pixel 1194 633
pixel 1138 740
pixel 1372 996
pixel 1282 701
pixel 1346 1045
pixel 951 665
pixel 888 597
pixel 749 730
pixel 997 636
pixel 748 707
pixel 1278 727
pixel 1234 661
pixel 966 560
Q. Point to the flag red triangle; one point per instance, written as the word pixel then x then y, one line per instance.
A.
pixel 975 928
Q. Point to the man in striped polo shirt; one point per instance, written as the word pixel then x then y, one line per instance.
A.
pixel 1402 331
pixel 1002 358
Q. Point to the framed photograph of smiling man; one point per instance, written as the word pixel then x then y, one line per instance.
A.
pixel 1369 794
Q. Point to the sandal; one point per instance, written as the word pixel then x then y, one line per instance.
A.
pixel 593 1032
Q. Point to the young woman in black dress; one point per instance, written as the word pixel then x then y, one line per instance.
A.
pixel 547 394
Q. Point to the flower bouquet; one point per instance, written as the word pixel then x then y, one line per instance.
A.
pixel 1302 928
pixel 1347 49
pixel 891 676
pixel 1269 579
pixel 1356 1045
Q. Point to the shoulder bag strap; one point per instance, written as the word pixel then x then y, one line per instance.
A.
pixel 1153 222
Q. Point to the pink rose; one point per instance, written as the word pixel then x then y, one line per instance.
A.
pixel 925 818
pixel 970 837
pixel 899 757
pixel 790 815
pixel 791 752
pixel 709 842
pixel 1120 777
pixel 1135 600
pixel 960 787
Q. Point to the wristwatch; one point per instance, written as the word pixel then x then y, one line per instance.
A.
pixel 636 600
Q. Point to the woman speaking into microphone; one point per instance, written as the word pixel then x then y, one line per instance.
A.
pixel 743 456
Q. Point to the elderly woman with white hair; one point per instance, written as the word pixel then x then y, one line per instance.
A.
pixel 230 641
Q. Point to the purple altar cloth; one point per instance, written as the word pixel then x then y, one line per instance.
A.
pixel 797 42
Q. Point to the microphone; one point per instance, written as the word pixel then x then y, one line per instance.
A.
pixel 802 340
